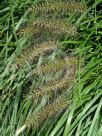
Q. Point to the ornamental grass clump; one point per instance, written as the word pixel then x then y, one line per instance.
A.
pixel 40 27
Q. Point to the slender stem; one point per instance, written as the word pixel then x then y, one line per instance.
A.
pixel 20 130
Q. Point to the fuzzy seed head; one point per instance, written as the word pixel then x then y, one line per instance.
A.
pixel 56 66
pixel 51 87
pixel 47 112
pixel 59 6
pixel 31 53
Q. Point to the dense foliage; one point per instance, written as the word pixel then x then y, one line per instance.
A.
pixel 50 68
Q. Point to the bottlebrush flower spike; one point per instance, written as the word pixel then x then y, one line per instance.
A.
pixel 59 6
pixel 52 26
pixel 51 87
pixel 56 66
pixel 31 53
pixel 27 30
pixel 36 120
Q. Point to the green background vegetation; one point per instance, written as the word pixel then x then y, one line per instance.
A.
pixel 84 115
